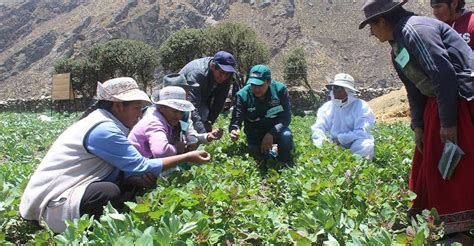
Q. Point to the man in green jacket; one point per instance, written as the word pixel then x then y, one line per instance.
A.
pixel 263 105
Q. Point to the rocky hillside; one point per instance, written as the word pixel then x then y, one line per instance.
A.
pixel 35 33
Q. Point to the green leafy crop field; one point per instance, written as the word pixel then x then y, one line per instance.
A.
pixel 327 197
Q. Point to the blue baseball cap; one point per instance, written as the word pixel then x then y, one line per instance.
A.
pixel 225 61
pixel 258 74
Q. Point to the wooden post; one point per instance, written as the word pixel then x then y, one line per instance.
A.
pixel 61 89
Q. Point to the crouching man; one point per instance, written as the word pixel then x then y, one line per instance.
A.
pixel 264 107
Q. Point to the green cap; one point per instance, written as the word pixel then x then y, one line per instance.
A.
pixel 258 74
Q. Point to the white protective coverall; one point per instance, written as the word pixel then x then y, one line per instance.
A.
pixel 350 123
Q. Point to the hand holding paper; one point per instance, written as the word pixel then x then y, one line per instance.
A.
pixel 449 159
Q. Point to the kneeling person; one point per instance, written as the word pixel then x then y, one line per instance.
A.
pixel 82 170
pixel 153 134
pixel 347 118
pixel 264 107
pixel 185 132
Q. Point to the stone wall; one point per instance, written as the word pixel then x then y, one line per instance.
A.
pixel 301 100
pixel 43 104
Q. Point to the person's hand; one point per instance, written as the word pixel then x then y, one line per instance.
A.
pixel 191 147
pixel 180 147
pixel 234 135
pixel 208 126
pixel 449 133
pixel 147 180
pixel 419 139
pixel 198 157
pixel 267 143
pixel 215 134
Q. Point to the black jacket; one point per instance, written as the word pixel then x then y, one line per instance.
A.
pixel 209 95
pixel 438 53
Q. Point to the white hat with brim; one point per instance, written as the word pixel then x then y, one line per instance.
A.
pixel 343 80
pixel 120 90
pixel 174 97
pixel 181 105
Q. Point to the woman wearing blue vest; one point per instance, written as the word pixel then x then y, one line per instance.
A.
pixel 264 107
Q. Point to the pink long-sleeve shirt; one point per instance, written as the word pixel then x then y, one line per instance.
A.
pixel 152 136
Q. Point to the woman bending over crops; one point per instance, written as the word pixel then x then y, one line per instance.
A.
pixel 436 66
pixel 84 168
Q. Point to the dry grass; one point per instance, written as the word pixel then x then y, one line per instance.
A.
pixel 391 107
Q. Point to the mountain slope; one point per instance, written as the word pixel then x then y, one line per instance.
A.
pixel 34 34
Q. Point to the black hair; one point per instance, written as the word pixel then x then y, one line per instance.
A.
pixel 216 65
pixel 395 15
pixel 101 104
pixel 461 4
pixel 212 62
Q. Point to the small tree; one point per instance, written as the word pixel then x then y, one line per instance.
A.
pixel 108 60
pixel 296 70
pixel 182 47
pixel 242 41
pixel 130 58
pixel 188 44
pixel 84 74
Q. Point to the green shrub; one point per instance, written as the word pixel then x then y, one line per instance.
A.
pixel 186 45
pixel 295 69
pixel 182 47
pixel 84 74
pixel 111 59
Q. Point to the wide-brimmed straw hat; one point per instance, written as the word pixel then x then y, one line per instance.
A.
pixel 376 8
pixel 120 89
pixel 174 97
pixel 343 80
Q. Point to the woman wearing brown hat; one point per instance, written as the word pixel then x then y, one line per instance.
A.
pixel 436 66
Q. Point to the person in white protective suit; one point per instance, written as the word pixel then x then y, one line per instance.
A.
pixel 346 118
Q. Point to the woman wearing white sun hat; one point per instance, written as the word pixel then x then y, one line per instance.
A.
pixel 82 170
pixel 153 135
pixel 184 134
pixel 347 118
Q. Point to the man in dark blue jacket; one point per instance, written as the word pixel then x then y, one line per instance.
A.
pixel 213 74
